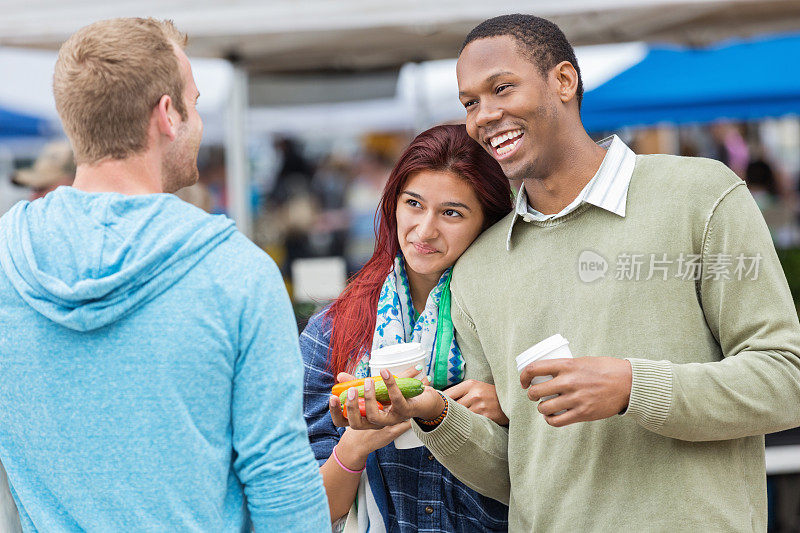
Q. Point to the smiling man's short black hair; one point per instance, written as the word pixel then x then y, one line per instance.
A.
pixel 544 43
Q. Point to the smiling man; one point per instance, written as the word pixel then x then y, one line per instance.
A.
pixel 661 273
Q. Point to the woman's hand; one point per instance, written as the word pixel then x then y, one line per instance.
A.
pixel 352 450
pixel 480 398
pixel 357 443
pixel 427 405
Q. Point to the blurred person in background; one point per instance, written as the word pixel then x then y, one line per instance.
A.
pixel 443 192
pixel 212 176
pixel 151 368
pixel 54 167
pixel 774 197
pixel 329 186
pixel 730 146
pixel 294 174
pixel 293 202
pixel 361 198
pixel 761 182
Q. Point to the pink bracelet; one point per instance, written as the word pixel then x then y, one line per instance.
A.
pixel 344 467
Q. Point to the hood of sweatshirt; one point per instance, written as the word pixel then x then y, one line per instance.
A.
pixel 86 260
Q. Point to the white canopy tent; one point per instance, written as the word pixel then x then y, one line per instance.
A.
pixel 425 94
pixel 307 35
pixel 276 37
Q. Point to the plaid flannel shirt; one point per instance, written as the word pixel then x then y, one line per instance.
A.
pixel 422 495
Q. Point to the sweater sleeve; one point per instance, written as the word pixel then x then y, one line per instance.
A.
pixel 754 388
pixel 274 461
pixel 472 447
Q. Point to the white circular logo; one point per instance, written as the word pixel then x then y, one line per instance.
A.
pixel 591 266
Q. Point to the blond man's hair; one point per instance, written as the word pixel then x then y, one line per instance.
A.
pixel 108 78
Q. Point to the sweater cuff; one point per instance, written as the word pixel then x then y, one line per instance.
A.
pixel 451 433
pixel 651 393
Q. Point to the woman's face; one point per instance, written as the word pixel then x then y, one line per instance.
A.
pixel 438 217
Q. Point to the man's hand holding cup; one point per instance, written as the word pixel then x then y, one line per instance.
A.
pixel 573 390
pixel 582 389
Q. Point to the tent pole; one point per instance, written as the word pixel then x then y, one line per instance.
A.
pixel 237 182
pixel 421 112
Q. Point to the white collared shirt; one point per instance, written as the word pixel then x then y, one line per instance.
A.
pixel 608 189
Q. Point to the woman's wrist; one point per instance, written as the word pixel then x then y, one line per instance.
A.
pixel 344 466
pixel 351 451
pixel 432 408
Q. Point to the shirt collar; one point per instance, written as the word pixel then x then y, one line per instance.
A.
pixel 608 188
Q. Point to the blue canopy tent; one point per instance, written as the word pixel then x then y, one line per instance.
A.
pixel 14 124
pixel 735 80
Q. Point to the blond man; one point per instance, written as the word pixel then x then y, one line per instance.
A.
pixel 151 371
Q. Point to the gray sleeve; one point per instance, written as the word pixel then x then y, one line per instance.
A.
pixel 755 388
pixel 472 447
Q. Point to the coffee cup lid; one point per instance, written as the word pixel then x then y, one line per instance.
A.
pixel 398 349
pixel 396 353
pixel 539 350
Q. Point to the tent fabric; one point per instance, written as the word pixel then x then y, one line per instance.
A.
pixel 737 80
pixel 311 35
pixel 13 124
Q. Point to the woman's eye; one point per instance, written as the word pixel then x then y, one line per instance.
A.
pixel 413 203
pixel 452 213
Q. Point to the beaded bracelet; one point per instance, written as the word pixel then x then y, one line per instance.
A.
pixel 436 421
pixel 344 467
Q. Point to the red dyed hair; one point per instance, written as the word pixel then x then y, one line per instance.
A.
pixel 441 148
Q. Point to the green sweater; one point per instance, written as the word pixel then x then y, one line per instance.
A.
pixel 715 360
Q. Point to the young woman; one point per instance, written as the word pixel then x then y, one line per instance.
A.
pixel 443 192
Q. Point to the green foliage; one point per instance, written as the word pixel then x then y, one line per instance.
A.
pixel 790 260
pixel 302 312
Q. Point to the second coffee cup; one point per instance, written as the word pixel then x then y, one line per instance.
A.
pixel 555 347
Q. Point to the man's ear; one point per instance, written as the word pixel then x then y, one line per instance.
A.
pixel 166 117
pixel 567 79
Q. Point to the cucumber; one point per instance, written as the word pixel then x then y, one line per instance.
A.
pixel 409 387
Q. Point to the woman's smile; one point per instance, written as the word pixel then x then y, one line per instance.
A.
pixel 424 249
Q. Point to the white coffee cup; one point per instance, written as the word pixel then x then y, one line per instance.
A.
pixel 555 347
pixel 398 358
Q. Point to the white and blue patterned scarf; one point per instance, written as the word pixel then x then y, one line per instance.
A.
pixel 395 324
pixel 433 329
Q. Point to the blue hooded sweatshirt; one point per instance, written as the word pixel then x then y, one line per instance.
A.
pixel 150 375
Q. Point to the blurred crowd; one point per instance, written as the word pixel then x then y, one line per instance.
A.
pixel 741 147
pixel 326 205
